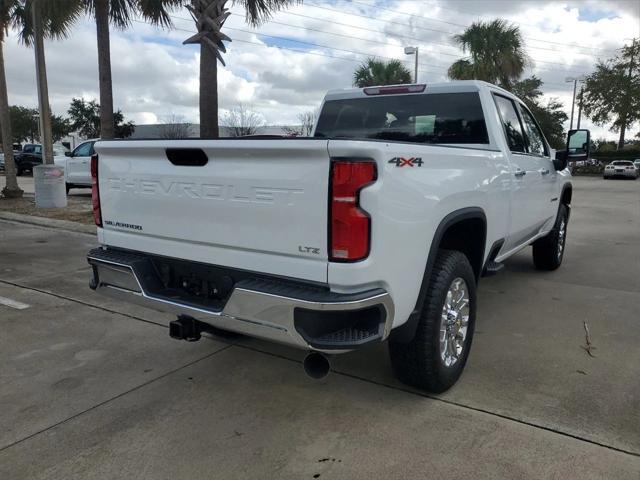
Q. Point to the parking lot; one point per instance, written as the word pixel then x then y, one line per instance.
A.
pixel 92 388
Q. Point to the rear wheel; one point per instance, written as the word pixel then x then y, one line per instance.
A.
pixel 67 187
pixel 548 251
pixel 434 359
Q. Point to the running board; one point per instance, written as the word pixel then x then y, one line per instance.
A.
pixel 492 268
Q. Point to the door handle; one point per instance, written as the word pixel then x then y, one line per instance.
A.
pixel 520 173
pixel 544 171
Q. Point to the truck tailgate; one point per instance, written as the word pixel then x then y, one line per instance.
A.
pixel 256 204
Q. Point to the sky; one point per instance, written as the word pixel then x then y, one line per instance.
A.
pixel 284 67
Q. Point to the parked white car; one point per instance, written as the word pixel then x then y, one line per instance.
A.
pixel 379 228
pixel 77 165
pixel 620 168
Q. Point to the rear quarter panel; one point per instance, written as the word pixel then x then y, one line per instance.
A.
pixel 407 204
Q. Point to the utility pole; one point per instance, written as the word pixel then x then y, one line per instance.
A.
pixel 573 102
pixel 580 107
pixel 575 81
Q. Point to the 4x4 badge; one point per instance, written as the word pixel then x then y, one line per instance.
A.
pixel 406 162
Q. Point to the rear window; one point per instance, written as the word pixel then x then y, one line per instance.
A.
pixel 427 118
pixel 621 163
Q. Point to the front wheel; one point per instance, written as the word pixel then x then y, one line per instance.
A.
pixel 434 359
pixel 548 251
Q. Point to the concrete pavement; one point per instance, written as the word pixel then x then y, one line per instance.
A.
pixel 92 388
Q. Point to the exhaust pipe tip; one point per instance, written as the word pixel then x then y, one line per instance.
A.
pixel 316 365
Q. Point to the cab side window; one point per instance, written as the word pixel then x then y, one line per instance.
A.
pixel 535 139
pixel 511 123
pixel 84 150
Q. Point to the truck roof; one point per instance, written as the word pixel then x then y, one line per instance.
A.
pixel 435 87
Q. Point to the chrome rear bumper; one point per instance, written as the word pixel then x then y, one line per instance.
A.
pixel 255 308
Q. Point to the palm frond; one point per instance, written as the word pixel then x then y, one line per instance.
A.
pixel 259 11
pixel 57 18
pixel 377 72
pixel 122 12
pixel 497 53
pixel 157 11
pixel 6 11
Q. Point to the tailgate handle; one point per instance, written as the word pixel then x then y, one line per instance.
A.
pixel 187 157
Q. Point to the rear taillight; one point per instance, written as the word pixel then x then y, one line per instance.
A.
pixel 95 191
pixel 350 226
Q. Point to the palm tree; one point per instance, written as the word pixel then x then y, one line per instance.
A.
pixel 119 13
pixel 209 17
pixel 34 19
pixel 377 72
pixel 497 53
pixel 11 189
pixel 37 19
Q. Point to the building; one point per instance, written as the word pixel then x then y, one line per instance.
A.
pixel 192 130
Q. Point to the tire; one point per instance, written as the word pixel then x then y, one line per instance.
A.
pixel 67 187
pixel 421 362
pixel 548 251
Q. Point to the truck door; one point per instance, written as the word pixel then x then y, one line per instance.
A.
pixel 78 169
pixel 526 181
pixel 538 148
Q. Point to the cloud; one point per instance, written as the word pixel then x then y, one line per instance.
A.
pixel 285 67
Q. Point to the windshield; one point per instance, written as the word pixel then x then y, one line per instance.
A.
pixel 425 118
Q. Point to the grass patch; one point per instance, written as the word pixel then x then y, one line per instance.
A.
pixel 78 208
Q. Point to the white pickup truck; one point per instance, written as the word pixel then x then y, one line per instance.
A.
pixel 377 228
pixel 76 163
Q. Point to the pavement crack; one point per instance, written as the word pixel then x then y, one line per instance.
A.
pixel 120 395
pixel 345 374
pixel 82 302
pixel 458 404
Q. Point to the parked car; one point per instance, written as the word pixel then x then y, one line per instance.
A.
pixel 379 228
pixel 620 168
pixel 77 165
pixel 1 161
pixel 636 163
pixel 31 156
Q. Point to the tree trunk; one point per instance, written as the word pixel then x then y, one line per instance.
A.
pixel 623 129
pixel 104 69
pixel 11 189
pixel 208 93
pixel 43 91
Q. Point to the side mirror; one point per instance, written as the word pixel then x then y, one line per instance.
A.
pixel 560 162
pixel 68 154
pixel 578 145
pixel 578 149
